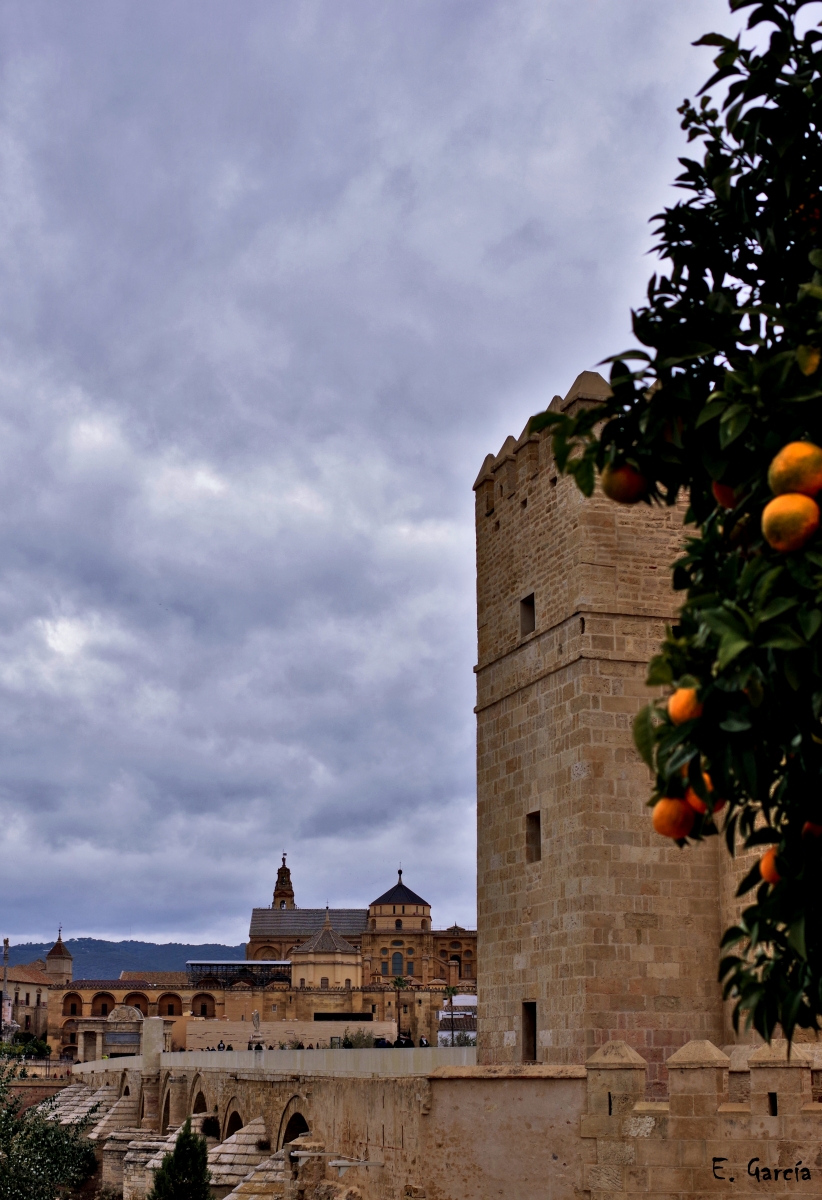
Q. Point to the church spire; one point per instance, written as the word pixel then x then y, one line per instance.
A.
pixel 283 892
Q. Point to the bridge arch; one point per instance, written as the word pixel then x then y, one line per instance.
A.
pixel 293 1122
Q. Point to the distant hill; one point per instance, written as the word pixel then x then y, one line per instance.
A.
pixel 97 959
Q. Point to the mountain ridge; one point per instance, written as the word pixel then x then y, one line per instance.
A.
pixel 96 958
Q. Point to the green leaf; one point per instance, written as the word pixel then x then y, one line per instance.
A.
pixel 644 734
pixel 543 420
pixel 815 258
pixel 809 622
pixel 659 672
pixel 583 471
pixel 796 937
pixel 751 880
pixel 735 724
pixel 730 648
pixel 777 607
pixel 715 409
pixel 733 425
pixel 786 639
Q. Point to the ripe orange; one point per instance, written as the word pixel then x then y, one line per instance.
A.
pixel 673 818
pixel 767 866
pixel 697 803
pixel 683 706
pixel 790 521
pixel 624 484
pixel 724 495
pixel 796 468
pixel 810 829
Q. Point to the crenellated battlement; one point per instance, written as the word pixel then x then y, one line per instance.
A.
pixel 591 926
pixel 520 459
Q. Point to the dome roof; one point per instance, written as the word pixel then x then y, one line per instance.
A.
pixel 325 940
pixel 400 894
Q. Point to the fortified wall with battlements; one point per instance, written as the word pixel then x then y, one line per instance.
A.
pixel 590 925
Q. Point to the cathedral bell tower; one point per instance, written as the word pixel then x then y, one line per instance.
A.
pixel 283 892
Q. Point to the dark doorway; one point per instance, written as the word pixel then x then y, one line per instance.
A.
pixel 529 1031
pixel 166 1111
pixel 200 1103
pixel 235 1122
pixel 296 1125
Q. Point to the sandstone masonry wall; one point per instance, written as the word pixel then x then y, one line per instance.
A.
pixel 613 931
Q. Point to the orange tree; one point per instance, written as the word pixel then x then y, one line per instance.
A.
pixel 728 379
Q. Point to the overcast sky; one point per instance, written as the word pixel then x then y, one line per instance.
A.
pixel 275 276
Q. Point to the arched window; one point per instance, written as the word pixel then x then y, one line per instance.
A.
pixel 398 924
pixel 282 904
pixel 72 1005
pixel 169 1006
pixel 102 1004
pixel 324 982
pixel 348 983
pixel 202 1005
pixel 137 1000
pixel 200 1103
pixel 396 963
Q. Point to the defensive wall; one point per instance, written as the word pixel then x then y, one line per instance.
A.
pixel 434 1124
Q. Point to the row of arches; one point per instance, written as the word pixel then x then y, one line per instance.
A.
pixel 292 1123
pixel 169 1004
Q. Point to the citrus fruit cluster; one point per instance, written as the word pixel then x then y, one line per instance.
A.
pixel 791 519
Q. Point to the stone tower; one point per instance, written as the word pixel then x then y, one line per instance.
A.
pixel 283 892
pixel 59 963
pixel 590 925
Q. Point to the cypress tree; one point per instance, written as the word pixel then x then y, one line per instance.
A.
pixel 184 1173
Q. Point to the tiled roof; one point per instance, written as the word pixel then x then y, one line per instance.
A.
pixel 399 894
pixel 118 985
pixel 302 922
pixel 26 974
pixel 59 950
pixel 164 979
pixel 325 940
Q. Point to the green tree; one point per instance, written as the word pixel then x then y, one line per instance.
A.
pixel 184 1173
pixel 729 375
pixel 399 984
pixel 39 1158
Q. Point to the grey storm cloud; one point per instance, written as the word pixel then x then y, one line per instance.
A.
pixel 274 278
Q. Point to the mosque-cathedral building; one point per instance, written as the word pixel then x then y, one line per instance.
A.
pixel 308 973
